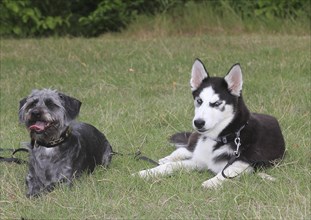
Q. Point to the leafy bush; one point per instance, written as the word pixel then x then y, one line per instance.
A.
pixel 28 18
pixel 32 18
pixel 283 9
pixel 25 18
pixel 114 15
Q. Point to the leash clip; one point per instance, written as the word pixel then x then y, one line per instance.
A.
pixel 237 142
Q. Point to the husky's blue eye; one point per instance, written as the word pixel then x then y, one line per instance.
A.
pixel 215 104
pixel 199 101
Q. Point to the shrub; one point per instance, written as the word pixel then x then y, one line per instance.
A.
pixel 33 18
pixel 29 18
pixel 25 18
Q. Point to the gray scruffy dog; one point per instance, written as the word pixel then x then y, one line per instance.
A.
pixel 61 148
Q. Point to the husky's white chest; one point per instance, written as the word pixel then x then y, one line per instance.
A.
pixel 205 154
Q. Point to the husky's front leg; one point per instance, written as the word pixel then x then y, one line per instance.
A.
pixel 177 155
pixel 235 169
pixel 169 168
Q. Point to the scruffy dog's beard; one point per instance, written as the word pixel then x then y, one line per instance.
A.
pixel 43 130
pixel 51 133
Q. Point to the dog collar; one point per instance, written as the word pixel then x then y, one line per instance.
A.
pixel 231 137
pixel 63 137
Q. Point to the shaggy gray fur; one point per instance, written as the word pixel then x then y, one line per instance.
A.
pixel 61 148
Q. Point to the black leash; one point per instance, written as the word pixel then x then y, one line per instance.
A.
pixel 231 161
pixel 237 141
pixel 137 156
pixel 12 159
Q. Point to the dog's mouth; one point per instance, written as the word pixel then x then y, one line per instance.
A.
pixel 39 126
pixel 202 130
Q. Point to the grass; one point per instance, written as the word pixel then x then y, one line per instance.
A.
pixel 136 91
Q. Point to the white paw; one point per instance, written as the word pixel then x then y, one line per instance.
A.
pixel 143 174
pixel 165 160
pixel 212 183
pixel 266 177
pixel 177 155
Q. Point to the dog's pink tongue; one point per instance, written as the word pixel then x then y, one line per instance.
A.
pixel 38 126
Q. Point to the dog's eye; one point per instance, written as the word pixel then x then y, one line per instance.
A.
pixel 199 101
pixel 49 103
pixel 32 104
pixel 215 104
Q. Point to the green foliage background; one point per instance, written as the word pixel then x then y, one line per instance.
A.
pixel 34 18
pixel 76 17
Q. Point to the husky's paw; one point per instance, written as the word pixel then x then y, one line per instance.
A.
pixel 212 183
pixel 178 155
pixel 266 177
pixel 165 160
pixel 143 174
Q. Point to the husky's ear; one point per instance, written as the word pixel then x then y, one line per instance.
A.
pixel 234 80
pixel 198 74
pixel 71 105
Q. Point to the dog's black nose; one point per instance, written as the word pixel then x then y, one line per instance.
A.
pixel 199 123
pixel 36 113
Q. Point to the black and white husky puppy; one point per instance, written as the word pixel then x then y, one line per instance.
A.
pixel 228 139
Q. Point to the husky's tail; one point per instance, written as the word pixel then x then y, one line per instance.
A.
pixel 180 139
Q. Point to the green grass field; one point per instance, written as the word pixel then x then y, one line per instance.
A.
pixel 136 90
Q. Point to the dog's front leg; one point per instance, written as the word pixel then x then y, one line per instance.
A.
pixel 169 168
pixel 235 169
pixel 177 155
pixel 33 185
